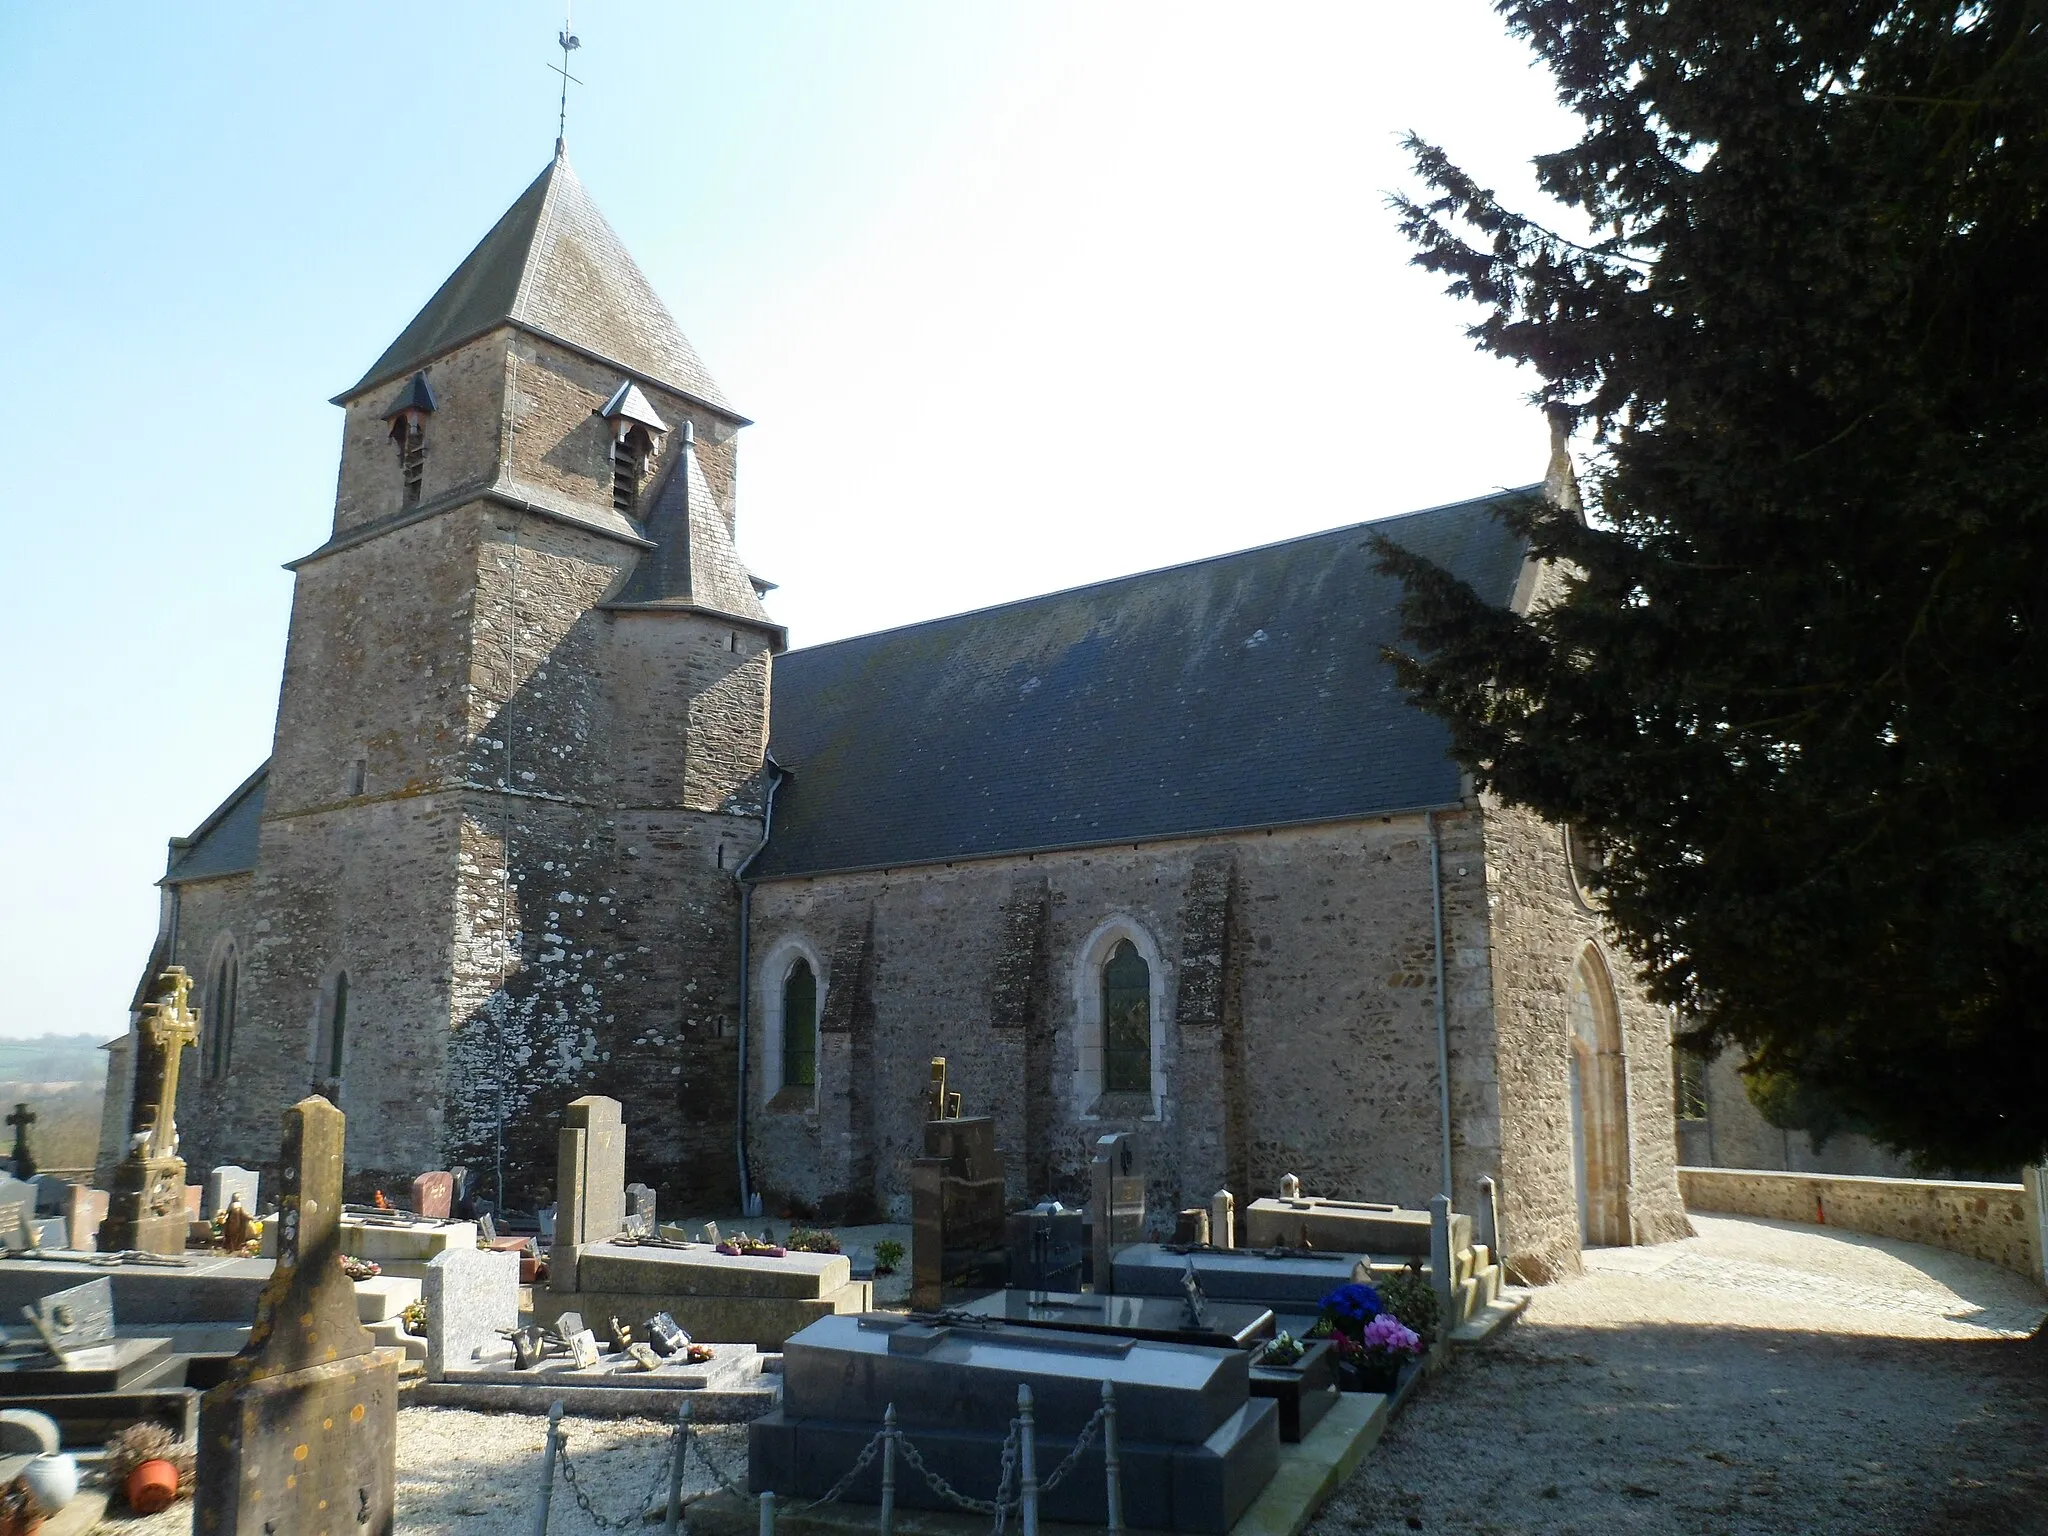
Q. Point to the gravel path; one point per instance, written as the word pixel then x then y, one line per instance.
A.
pixel 1758 1379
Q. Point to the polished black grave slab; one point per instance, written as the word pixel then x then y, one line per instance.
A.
pixel 1224 1325
pixel 1196 1447
pixel 1289 1283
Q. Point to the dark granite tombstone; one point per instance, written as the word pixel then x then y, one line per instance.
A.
pixel 1224 1325
pixel 956 1207
pixel 1116 1213
pixel 1292 1284
pixel 1196 1448
pixel 1044 1249
pixel 1303 1391
pixel 146 1206
pixel 302 1435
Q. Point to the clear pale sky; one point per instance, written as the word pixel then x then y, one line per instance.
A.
pixel 1020 295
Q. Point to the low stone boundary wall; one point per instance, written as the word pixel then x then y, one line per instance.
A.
pixel 1998 1223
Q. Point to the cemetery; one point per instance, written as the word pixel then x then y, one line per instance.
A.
pixel 1105 1366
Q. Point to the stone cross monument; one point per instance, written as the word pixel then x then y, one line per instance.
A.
pixel 302 1435
pixel 24 1160
pixel 146 1206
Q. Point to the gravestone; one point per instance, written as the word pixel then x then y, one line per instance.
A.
pixel 17 1213
pixel 223 1184
pixel 1116 1206
pixel 640 1202
pixel 302 1435
pixel 463 1203
pixel 24 1161
pixel 956 1204
pixel 590 1184
pixel 145 1208
pixel 433 1194
pixel 1223 1219
pixel 84 1209
pixel 1191 1228
pixel 472 1296
pixel 50 1191
pixel 1045 1248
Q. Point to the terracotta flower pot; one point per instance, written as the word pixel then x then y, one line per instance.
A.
pixel 152 1486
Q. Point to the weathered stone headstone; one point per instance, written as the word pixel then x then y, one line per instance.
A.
pixel 1223 1219
pixel 590 1184
pixel 1116 1203
pixel 1192 1227
pixel 472 1297
pixel 433 1194
pixel 302 1435
pixel 84 1209
pixel 145 1207
pixel 24 1160
pixel 223 1184
pixel 640 1201
pixel 50 1194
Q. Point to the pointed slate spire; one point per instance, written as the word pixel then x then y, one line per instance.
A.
pixel 554 267
pixel 693 563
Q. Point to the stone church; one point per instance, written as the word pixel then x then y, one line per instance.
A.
pixel 552 809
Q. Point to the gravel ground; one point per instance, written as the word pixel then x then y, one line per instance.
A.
pixel 1758 1379
pixel 476 1473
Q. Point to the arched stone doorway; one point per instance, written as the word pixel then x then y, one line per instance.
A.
pixel 1599 1105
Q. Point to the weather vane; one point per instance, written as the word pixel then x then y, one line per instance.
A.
pixel 570 42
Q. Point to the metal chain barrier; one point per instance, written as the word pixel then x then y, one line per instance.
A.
pixel 1002 1502
pixel 582 1495
pixel 1073 1457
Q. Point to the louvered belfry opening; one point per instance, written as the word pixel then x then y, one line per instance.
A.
pixel 412 458
pixel 629 465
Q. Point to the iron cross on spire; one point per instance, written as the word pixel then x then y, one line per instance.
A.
pixel 569 43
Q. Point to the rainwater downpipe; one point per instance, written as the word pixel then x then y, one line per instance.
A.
pixel 776 774
pixel 1443 1031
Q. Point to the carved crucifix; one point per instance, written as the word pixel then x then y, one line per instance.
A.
pixel 167 1026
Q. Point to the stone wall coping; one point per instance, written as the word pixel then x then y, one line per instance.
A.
pixel 1944 1186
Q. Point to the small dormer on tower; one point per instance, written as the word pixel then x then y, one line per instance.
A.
pixel 637 430
pixel 408 417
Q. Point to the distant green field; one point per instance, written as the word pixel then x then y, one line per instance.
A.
pixel 60 1078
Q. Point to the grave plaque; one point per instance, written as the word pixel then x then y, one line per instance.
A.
pixel 1117 1202
pixel 146 1209
pixel 302 1435
pixel 433 1194
pixel 77 1317
pixel 223 1185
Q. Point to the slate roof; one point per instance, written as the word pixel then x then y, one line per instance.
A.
pixel 224 843
pixel 553 266
pixel 1240 692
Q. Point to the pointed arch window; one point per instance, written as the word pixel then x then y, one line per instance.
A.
pixel 800 1026
pixel 221 998
pixel 1126 1021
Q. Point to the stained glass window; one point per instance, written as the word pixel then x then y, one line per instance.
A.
pixel 800 1027
pixel 1126 1021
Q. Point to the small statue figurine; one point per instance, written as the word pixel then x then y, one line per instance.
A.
pixel 234 1230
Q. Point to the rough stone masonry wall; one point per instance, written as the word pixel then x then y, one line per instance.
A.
pixel 1539 930
pixel 1991 1222
pixel 1297 969
pixel 209 914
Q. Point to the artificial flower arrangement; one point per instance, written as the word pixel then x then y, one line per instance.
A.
pixel 811 1240
pixel 1283 1349
pixel 1371 1343
pixel 739 1245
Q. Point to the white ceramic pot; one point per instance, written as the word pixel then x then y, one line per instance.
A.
pixel 52 1480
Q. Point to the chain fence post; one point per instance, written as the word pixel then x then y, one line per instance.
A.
pixel 1112 1462
pixel 768 1513
pixel 889 1470
pixel 1027 1462
pixel 674 1520
pixel 547 1470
